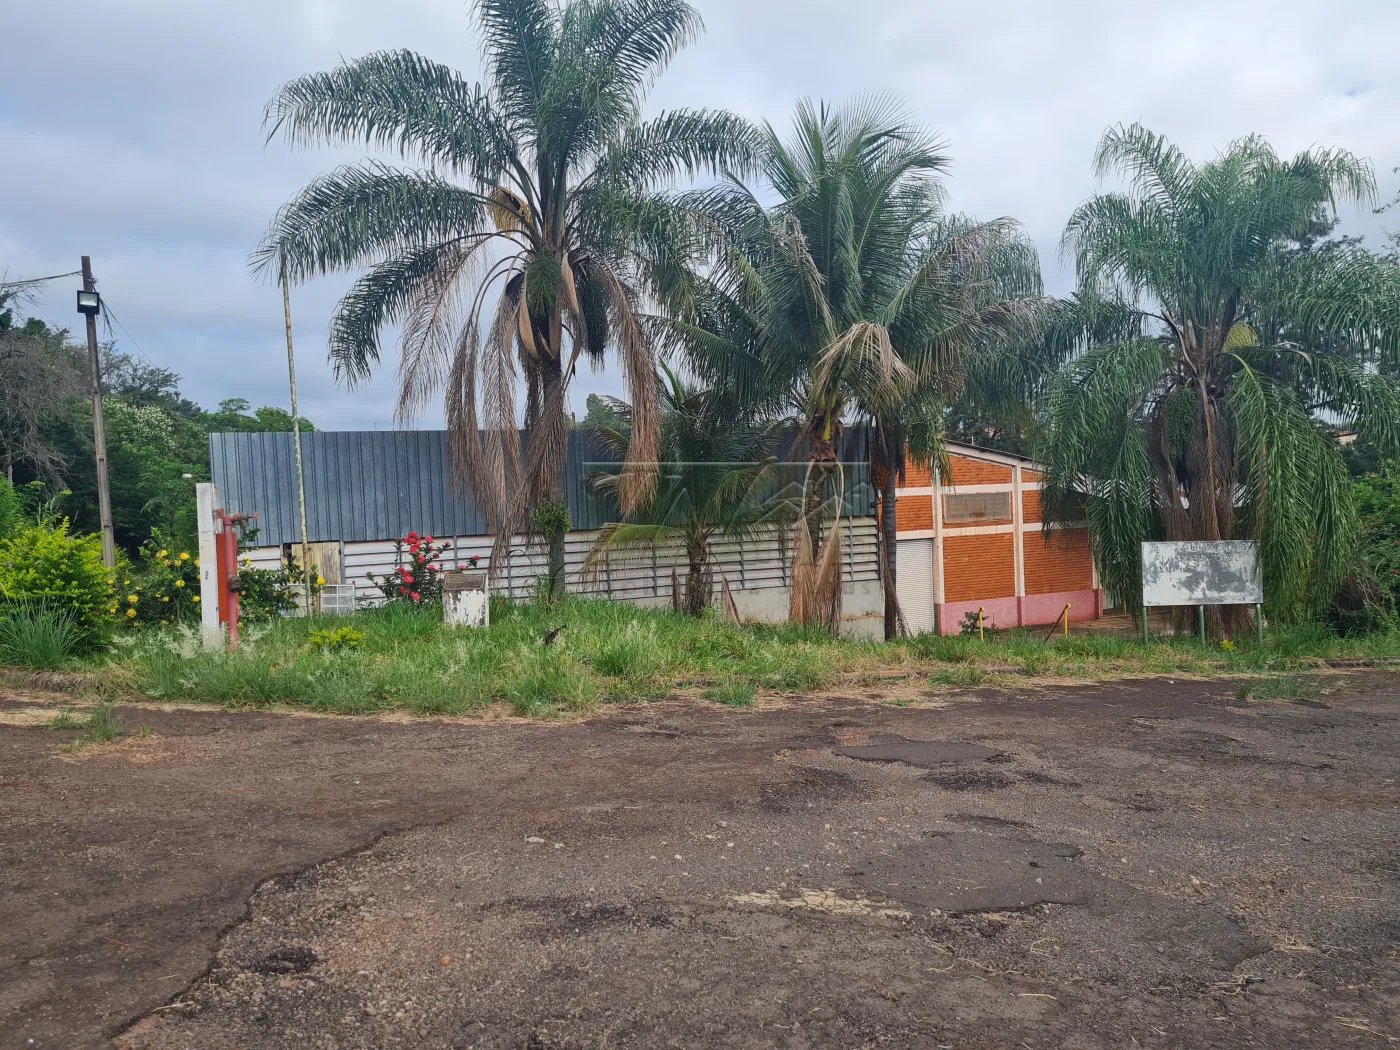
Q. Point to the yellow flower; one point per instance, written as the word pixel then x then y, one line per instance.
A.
pixel 196 597
pixel 164 598
pixel 179 583
pixel 111 583
pixel 126 583
pixel 139 587
pixel 167 563
pixel 133 599
pixel 196 561
pixel 130 613
pixel 184 555
pixel 320 581
pixel 164 621
pixel 162 554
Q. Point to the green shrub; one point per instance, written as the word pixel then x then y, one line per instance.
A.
pixel 163 590
pixel 339 639
pixel 42 563
pixel 11 509
pixel 35 636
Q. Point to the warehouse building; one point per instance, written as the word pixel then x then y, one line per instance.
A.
pixel 975 540
pixel 971 541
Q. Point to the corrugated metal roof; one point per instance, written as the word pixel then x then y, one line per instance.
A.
pixel 380 484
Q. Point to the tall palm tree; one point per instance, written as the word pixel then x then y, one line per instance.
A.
pixel 1196 409
pixel 537 187
pixel 716 476
pixel 854 295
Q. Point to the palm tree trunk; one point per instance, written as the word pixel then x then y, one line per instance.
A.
pixel 888 532
pixel 553 380
pixel 697 590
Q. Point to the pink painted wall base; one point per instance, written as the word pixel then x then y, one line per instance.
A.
pixel 1031 611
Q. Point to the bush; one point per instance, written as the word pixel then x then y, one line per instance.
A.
pixel 164 590
pixel 11 509
pixel 35 636
pixel 1369 600
pixel 417 576
pixel 48 564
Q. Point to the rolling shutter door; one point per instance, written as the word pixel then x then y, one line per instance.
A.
pixel 914 584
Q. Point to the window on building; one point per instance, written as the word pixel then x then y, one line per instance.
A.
pixel 973 507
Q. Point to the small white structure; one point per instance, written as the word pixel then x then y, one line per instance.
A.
pixel 466 601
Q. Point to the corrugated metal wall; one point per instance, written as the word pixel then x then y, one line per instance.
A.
pixel 380 484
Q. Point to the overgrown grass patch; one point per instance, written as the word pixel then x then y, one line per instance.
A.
pixel 612 652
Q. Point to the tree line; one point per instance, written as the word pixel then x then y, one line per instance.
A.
pixel 157 439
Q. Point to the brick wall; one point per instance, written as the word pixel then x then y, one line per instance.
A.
pixel 978 567
pixel 975 472
pixel 1058 561
pixel 1030 506
pixel 916 475
pixel 913 512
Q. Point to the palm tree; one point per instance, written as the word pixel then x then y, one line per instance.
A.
pixel 854 296
pixel 1220 348
pixel 716 477
pixel 537 187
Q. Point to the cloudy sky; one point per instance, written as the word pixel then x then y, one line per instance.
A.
pixel 129 130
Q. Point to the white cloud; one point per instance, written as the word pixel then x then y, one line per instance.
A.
pixel 131 129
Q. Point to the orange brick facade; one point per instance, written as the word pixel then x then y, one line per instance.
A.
pixel 1008 568
pixel 1058 561
pixel 912 513
pixel 978 567
pixel 975 472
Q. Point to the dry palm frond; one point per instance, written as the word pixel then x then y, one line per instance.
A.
pixel 639 370
pixel 816 582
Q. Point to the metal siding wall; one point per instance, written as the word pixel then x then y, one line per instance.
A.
pixel 375 485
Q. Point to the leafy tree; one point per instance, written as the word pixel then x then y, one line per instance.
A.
pixel 715 476
pixel 854 295
pixel 537 187
pixel 1200 417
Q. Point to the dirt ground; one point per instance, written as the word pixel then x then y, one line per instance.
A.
pixel 1144 864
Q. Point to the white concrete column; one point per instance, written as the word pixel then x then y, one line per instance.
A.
pixel 206 500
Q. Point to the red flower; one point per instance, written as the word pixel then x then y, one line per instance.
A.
pixel 403 590
pixel 416 596
pixel 432 568
pixel 407 576
pixel 427 539
pixel 411 537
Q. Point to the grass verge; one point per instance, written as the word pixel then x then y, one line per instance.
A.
pixel 406 659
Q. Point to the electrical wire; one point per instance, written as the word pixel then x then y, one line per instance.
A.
pixel 39 280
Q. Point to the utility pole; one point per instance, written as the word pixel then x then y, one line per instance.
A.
pixel 99 427
pixel 296 437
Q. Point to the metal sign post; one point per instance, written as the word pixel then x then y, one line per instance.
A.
pixel 1201 573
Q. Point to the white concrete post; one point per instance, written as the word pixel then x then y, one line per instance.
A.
pixel 206 500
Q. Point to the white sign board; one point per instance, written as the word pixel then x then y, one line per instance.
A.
pixel 1201 572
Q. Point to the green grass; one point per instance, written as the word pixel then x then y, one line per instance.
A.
pixel 98 727
pixel 614 652
pixel 731 694
pixel 34 636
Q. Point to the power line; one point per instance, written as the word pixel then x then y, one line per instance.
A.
pixel 39 280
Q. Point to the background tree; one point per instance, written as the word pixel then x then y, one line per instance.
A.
pixel 854 296
pixel 41 373
pixel 537 187
pixel 716 476
pixel 1201 417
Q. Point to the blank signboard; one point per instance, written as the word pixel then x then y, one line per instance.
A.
pixel 1201 572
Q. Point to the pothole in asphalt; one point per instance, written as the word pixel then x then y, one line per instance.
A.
pixel 925 754
pixel 968 781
